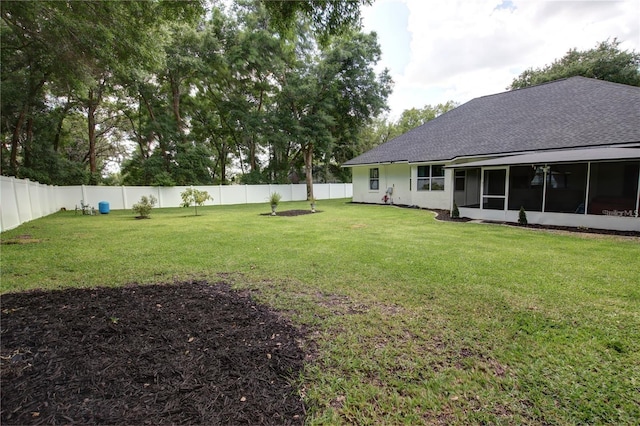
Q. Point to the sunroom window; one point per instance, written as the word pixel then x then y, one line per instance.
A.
pixel 430 178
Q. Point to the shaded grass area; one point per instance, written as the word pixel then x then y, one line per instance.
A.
pixel 415 320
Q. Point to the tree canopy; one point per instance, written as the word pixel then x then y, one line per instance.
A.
pixel 604 62
pixel 169 93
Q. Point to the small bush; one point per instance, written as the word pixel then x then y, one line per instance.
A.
pixel 275 198
pixel 144 206
pixel 192 196
pixel 522 217
pixel 455 213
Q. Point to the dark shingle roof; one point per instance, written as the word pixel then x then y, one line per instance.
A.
pixel 569 113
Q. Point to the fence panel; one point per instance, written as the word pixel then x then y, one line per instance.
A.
pixel 34 200
pixel 22 201
pixel 8 204
pixel 110 194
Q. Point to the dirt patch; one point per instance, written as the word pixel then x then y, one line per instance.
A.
pixel 22 239
pixel 187 353
pixel 445 215
pixel 292 213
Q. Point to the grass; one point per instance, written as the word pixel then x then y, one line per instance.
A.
pixel 415 321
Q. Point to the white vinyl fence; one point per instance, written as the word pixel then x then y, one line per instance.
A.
pixel 22 200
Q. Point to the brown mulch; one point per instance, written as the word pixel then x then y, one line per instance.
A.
pixel 444 215
pixel 186 353
pixel 292 213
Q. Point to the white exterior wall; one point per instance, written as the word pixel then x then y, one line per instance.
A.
pixel 433 199
pixel 397 176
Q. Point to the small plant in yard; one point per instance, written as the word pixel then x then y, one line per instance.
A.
pixel 143 207
pixel 195 197
pixel 274 200
pixel 522 217
pixel 455 213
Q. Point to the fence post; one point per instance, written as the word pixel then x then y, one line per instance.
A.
pixel 124 197
pixel 15 196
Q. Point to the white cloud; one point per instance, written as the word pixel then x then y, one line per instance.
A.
pixel 460 49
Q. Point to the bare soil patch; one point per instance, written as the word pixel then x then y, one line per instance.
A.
pixel 292 213
pixel 22 239
pixel 186 353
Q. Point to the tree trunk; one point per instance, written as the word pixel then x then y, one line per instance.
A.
pixel 15 141
pixel 308 165
pixel 91 127
pixel 175 103
pixel 28 142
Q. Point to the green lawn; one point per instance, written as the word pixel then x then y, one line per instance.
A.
pixel 415 321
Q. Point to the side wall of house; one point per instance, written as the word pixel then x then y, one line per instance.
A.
pixel 403 180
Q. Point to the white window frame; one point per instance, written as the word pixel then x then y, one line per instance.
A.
pixel 374 179
pixel 430 178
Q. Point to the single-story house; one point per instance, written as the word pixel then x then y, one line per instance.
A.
pixel 567 151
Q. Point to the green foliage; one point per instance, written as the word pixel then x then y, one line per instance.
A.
pixel 455 212
pixel 254 177
pixel 274 198
pixel 605 62
pixel 522 217
pixel 143 207
pixel 327 17
pixel 64 60
pixel 194 197
pixel 196 93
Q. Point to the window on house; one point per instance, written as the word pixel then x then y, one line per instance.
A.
pixel 430 178
pixel 374 179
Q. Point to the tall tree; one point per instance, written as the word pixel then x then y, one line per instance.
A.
pixel 605 62
pixel 329 96
pixel 74 48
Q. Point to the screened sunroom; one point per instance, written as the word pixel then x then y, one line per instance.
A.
pixel 571 187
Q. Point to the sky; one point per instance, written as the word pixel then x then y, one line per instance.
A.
pixel 441 50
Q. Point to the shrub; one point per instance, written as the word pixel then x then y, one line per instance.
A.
pixel 455 213
pixel 192 196
pixel 275 198
pixel 522 217
pixel 144 206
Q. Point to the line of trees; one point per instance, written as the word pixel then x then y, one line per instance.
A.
pixel 177 93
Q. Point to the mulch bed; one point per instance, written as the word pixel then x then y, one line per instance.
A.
pixel 292 213
pixel 444 215
pixel 185 353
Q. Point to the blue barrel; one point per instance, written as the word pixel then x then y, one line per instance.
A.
pixel 103 207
